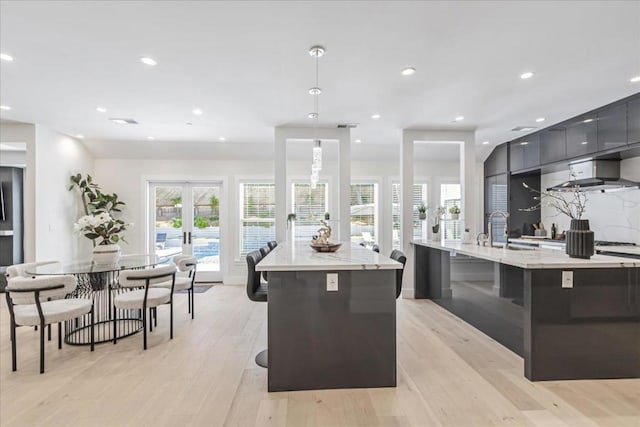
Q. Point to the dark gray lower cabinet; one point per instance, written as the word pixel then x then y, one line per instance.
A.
pixel 582 136
pixel 553 145
pixel 633 121
pixel 612 127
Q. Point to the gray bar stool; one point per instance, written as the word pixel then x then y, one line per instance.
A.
pixel 257 291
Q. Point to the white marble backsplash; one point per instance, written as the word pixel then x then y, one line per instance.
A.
pixel 613 216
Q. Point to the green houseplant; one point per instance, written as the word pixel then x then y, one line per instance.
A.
pixel 455 212
pixel 422 211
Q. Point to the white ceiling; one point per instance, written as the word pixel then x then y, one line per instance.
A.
pixel 246 65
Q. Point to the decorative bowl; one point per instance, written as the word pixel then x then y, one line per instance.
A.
pixel 331 247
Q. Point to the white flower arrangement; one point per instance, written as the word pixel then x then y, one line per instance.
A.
pixel 102 225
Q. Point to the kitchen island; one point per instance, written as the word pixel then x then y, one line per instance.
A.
pixel 331 318
pixel 581 318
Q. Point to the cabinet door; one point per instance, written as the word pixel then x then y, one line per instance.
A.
pixel 532 151
pixel 582 136
pixel 516 155
pixel 612 127
pixel 553 145
pixel 633 120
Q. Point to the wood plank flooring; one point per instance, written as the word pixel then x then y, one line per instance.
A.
pixel 449 374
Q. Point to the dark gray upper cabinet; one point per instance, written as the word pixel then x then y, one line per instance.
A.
pixel 553 144
pixel 633 120
pixel 497 162
pixel 582 136
pixel 612 127
pixel 524 153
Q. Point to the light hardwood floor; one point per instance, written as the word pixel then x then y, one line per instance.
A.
pixel 449 374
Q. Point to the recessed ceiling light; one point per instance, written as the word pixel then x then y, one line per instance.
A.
pixel 312 115
pixel 485 142
pixel 526 75
pixel 6 57
pixel 635 79
pixel 587 121
pixel 458 119
pixel 197 112
pixel 100 109
pixel 80 136
pixel 524 143
pixel 148 61
pixel 540 119
pixel 358 141
pixel 375 116
pixel 315 91
pixel 150 138
pixel 222 138
pixel 408 71
pixel 5 107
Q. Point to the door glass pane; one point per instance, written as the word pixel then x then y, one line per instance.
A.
pixel 364 209
pixel 167 220
pixel 309 205
pixel 206 227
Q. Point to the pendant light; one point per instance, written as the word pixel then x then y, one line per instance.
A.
pixel 316 158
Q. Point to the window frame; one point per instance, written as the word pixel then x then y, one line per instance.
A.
pixel 239 214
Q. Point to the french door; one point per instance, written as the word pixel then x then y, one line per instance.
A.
pixel 185 219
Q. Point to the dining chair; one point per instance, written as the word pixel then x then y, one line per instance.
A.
pixel 39 301
pixel 185 279
pixel 401 258
pixel 147 296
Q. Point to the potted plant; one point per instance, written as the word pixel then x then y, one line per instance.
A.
pixel 99 223
pixel 455 212
pixel 327 216
pixel 436 215
pixel 580 241
pixel 422 211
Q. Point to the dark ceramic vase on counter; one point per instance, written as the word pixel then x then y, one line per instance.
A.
pixel 580 240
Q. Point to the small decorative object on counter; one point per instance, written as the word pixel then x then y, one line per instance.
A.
pixel 321 242
pixel 580 240
pixel 436 214
pixel 554 231
pixel 327 216
pixel 455 212
pixel 422 211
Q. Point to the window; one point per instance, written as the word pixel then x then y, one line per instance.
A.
pixel 419 197
pixel 364 213
pixel 257 215
pixel 309 205
pixel 449 197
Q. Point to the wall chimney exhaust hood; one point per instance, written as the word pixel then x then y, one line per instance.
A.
pixel 595 175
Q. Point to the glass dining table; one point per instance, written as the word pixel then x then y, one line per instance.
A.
pixel 99 282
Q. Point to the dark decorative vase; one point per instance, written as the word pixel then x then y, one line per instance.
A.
pixel 580 240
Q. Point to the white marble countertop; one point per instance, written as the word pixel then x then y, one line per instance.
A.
pixel 531 258
pixel 630 250
pixel 298 256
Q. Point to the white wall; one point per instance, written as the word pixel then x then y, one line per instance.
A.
pixel 58 157
pixel 13 158
pixel 128 178
pixel 612 216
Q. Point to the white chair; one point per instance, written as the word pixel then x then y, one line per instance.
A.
pixel 148 297
pixel 185 279
pixel 39 301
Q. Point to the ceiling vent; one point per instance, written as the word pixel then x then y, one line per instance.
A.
pixel 347 126
pixel 119 121
pixel 524 128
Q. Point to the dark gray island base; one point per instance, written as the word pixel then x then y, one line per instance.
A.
pixel 325 340
pixel 588 331
pixel 329 337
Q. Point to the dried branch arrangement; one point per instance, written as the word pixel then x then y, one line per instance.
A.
pixel 571 203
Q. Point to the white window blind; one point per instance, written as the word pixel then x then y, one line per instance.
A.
pixel 309 205
pixel 418 197
pixel 364 213
pixel 257 215
pixel 449 197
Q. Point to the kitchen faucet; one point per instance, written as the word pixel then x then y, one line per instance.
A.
pixel 505 215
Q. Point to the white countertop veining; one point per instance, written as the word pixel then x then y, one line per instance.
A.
pixel 532 258
pixel 298 256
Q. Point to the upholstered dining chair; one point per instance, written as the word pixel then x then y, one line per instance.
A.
pixel 147 296
pixel 256 291
pixel 185 279
pixel 39 301
pixel 401 258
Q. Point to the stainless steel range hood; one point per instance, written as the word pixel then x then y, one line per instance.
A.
pixel 595 175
